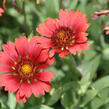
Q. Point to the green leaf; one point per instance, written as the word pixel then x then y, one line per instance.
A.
pixel 84 83
pixel 83 2
pixel 73 72
pixel 90 65
pixel 97 89
pixel 101 99
pixel 90 94
pixel 101 83
pixel 69 99
pixel 41 107
pixel 12 101
pixel 72 4
pixel 50 8
pixel 95 28
pixel 3 102
pixel 83 88
pixel 85 78
pixel 106 54
pixel 56 94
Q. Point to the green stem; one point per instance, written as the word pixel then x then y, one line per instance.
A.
pixel 16 106
pixel 25 19
pixel 60 5
pixel 74 64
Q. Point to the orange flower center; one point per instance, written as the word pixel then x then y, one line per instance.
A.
pixel 63 38
pixel 61 35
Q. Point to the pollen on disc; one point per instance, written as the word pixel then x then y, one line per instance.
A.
pixel 26 68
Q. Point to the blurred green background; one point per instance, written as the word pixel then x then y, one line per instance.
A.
pixel 70 90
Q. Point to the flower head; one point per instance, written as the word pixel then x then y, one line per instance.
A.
pixel 1 11
pixel 23 66
pixel 96 15
pixel 66 34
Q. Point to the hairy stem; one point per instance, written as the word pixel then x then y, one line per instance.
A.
pixel 25 19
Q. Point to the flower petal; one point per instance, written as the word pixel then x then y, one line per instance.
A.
pixel 65 17
pixel 45 42
pixel 81 37
pixel 6 68
pixel 24 99
pixel 85 46
pixel 45 85
pixel 1 11
pixel 74 49
pixel 63 53
pixel 19 98
pixel 11 51
pixel 45 76
pixel 79 22
pixel 52 52
pixel 25 89
pixel 46 64
pixel 34 49
pixel 22 46
pixel 11 82
pixel 43 30
pixel 79 47
pixel 6 59
pixel 51 24
pixel 36 88
pixel 44 55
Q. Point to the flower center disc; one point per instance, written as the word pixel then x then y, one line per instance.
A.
pixel 61 35
pixel 26 71
pixel 26 68
pixel 63 38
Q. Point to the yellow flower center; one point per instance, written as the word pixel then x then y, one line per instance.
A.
pixel 26 68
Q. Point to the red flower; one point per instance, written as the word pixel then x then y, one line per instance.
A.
pixel 66 34
pixel 1 11
pixel 21 65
